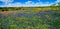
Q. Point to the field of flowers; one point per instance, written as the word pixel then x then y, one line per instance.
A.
pixel 29 19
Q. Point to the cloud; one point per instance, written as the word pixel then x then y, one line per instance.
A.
pixel 58 0
pixel 26 4
pixel 7 1
pixel 17 4
pixel 31 3
pixel 13 5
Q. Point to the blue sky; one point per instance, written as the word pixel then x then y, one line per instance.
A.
pixel 26 3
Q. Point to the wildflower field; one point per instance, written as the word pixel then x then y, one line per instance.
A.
pixel 30 18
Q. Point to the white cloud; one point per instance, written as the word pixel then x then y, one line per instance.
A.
pixel 14 4
pixel 11 5
pixel 27 4
pixel 7 1
pixel 58 0
pixel 31 3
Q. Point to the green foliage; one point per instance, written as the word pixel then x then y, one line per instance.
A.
pixel 37 21
pixel 27 8
pixel 34 23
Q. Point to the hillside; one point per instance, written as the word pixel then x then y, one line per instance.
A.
pixel 30 8
pixel 30 18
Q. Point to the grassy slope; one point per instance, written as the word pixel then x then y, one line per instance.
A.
pixel 30 8
pixel 27 18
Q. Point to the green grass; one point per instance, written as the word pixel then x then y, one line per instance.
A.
pixel 36 21
pixel 24 8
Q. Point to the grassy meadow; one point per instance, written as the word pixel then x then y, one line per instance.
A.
pixel 30 17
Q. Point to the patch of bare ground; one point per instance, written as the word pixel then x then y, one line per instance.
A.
pixel 8 12
pixel 28 10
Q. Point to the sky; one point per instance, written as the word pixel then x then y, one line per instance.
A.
pixel 26 3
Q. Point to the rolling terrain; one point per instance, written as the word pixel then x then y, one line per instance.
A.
pixel 30 18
